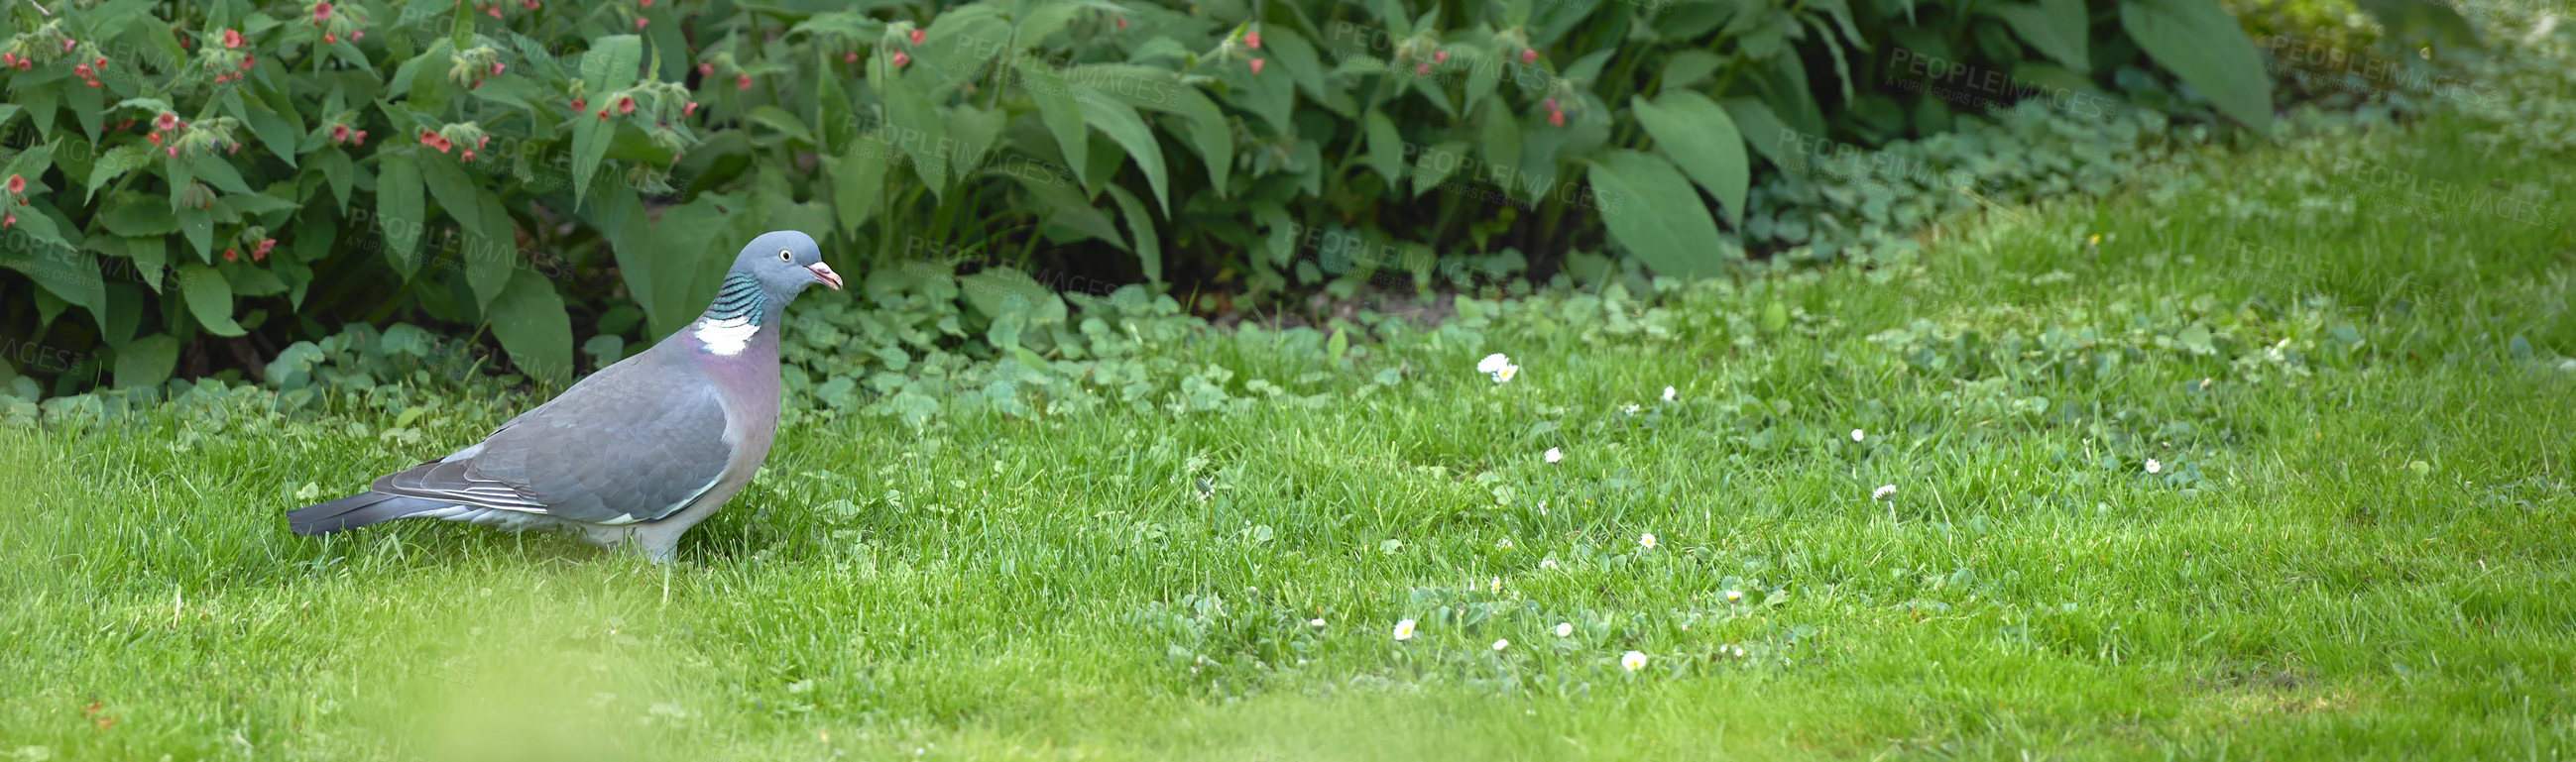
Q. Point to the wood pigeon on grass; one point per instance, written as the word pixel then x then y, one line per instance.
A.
pixel 638 452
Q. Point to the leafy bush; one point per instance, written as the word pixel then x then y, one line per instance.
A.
pixel 511 165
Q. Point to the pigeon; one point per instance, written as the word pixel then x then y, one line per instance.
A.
pixel 638 452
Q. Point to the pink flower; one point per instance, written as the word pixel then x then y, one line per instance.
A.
pixel 359 139
pixel 321 11
pixel 174 151
pixel 625 106
pixel 232 255
pixel 468 157
pixel 639 23
pixel 603 115
pixel 850 57
pixel 9 60
pixel 1556 119
pixel 484 141
pixel 689 108
pixel 67 45
pixel 339 133
pixel 17 184
pixel 356 34
pixel 1439 56
pixel 1422 69
pixel 529 4
pixel 248 61
pixel 496 68
pixel 1549 104
pixel 1122 22
pixel 154 137
pixel 232 38
pixel 577 105
pixel 1256 66
pixel 8 220
pixel 918 35
pixel 428 138
pixel 742 82
pixel 329 38
pixel 707 69
pixel 645 3
pixel 1252 39
pixel 1529 56
pixel 900 59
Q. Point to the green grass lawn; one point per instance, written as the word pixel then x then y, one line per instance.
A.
pixel 2355 539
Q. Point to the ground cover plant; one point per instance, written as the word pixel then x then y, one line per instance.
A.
pixel 2265 458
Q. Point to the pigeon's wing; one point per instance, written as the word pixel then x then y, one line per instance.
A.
pixel 634 442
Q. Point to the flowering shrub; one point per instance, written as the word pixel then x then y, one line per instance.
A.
pixel 512 164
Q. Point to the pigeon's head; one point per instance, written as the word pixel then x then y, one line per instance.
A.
pixel 786 262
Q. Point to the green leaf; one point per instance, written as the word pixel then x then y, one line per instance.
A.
pixel 2202 45
pixel 1120 122
pixel 491 250
pixel 2055 27
pixel 115 163
pixel 210 298
pixel 1698 136
pixel 1385 148
pixel 607 68
pixel 997 291
pixel 781 120
pixel 1437 163
pixel 400 211
pixel 838 121
pixel 1149 247
pixel 858 184
pixel 1059 110
pixel 530 321
pixel 147 361
pixel 1688 68
pixel 917 128
pixel 1502 143
pixel 1763 131
pixel 1652 211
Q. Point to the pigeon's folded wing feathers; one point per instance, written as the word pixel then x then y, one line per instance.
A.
pixel 634 446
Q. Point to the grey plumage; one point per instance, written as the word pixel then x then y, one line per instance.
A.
pixel 638 452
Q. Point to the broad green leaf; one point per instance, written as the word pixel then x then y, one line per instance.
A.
pixel 1149 247
pixel 915 127
pixel 1688 68
pixel 1502 144
pixel 2201 44
pixel 115 163
pixel 607 68
pixel 1437 163
pixel 400 210
pixel 1120 122
pixel 992 291
pixel 1763 131
pixel 210 298
pixel 1385 148
pixel 858 184
pixel 2055 27
pixel 490 249
pixel 838 122
pixel 1652 211
pixel 1058 109
pixel 1698 137
pixel 781 120
pixel 1067 215
pixel 147 361
pixel 530 321
pixel 1154 89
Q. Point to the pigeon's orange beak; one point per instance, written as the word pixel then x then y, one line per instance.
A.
pixel 823 272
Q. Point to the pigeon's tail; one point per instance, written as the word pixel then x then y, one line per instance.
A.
pixel 357 511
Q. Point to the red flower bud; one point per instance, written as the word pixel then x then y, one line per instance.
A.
pixel 1556 119
pixel 92 82
pixel 1422 69
pixel 742 82
pixel 8 220
pixel 917 36
pixel 900 59
pixel 689 108
pixel 321 10
pixel 485 141
pixel 625 106
pixel 330 39
pixel 174 151
pixel 529 4
pixel 232 38
pixel 261 250
pixel 468 157
pixel 1256 66
pixel 707 69
pixel 1528 56
pixel 428 138
pixel 1122 22
pixel 101 63
pixel 1549 104
pixel 359 139
pixel 639 23
pixel 577 105
pixel 850 57
pixel 339 133
pixel 9 60
pixel 1252 39
pixel 154 137
pixel 356 34
pixel 496 68
pixel 248 61
pixel 1439 56
pixel 232 255
pixel 67 45
pixel 80 70
pixel 603 114
pixel 17 184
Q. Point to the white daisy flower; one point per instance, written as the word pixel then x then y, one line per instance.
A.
pixel 1646 540
pixel 1669 394
pixel 1565 629
pixel 1505 544
pixel 1317 623
pixel 1505 375
pixel 1734 595
pixel 1499 366
pixel 2153 466
pixel 1631 409
pixel 1633 660
pixel 1404 630
pixel 1502 644
pixel 1883 492
pixel 1554 455
pixel 1857 435
pixel 1496 586
pixel 1547 564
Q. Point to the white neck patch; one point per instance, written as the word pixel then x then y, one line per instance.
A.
pixel 725 337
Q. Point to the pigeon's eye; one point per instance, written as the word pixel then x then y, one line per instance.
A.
pixel 784 256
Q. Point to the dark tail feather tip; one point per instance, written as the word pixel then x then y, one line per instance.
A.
pixel 355 511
